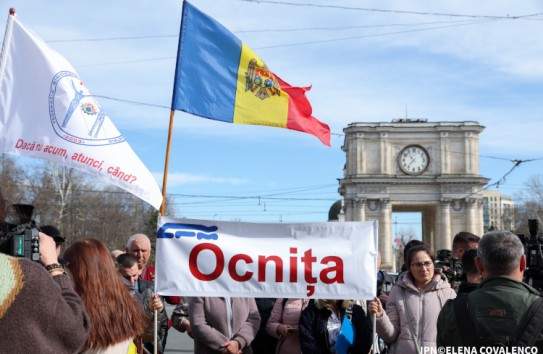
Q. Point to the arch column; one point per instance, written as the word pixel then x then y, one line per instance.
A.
pixel 429 221
pixel 444 241
pixel 385 233
pixel 350 209
pixel 361 209
pixel 474 216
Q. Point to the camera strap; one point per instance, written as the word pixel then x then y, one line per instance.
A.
pixel 465 324
pixel 408 319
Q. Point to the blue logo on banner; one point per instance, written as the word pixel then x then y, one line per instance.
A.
pixel 201 232
pixel 76 116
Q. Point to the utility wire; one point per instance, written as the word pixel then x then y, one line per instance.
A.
pixel 503 179
pixel 308 42
pixel 264 30
pixel 125 62
pixel 367 36
pixel 344 28
pixel 503 17
pixel 454 24
pixel 139 103
pixel 110 38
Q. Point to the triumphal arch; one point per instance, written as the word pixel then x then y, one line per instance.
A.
pixel 413 165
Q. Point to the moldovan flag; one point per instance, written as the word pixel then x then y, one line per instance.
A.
pixel 218 77
pixel 47 112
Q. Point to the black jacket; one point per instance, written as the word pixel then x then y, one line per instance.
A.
pixel 145 289
pixel 314 335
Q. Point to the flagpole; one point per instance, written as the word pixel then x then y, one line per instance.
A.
pixel 172 114
pixel 6 43
pixel 164 182
pixel 166 163
pixel 167 160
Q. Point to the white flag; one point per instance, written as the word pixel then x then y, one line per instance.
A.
pixel 47 112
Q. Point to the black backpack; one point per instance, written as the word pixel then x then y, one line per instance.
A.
pixel 526 334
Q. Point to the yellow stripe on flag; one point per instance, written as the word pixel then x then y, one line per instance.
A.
pixel 259 99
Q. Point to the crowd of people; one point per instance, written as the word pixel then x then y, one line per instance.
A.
pixel 91 300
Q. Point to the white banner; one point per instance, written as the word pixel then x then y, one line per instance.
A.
pixel 330 260
pixel 47 112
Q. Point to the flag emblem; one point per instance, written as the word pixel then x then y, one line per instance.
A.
pixel 76 116
pixel 260 80
pixel 88 108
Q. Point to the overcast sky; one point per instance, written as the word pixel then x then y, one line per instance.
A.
pixel 367 61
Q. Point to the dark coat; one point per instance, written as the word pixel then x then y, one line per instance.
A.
pixel 263 342
pixel 314 335
pixel 499 294
pixel 145 289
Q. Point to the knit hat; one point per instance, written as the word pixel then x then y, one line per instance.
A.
pixel 53 232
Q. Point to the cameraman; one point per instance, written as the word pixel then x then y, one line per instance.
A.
pixel 39 310
pixel 472 274
pixel 462 242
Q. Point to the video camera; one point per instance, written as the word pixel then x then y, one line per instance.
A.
pixel 533 250
pixel 450 266
pixel 19 235
pixel 385 281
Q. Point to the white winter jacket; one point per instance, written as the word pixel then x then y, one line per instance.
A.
pixel 424 309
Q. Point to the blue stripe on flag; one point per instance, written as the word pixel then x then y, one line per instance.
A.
pixel 207 67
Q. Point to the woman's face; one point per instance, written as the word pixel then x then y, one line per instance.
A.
pixel 422 268
pixel 329 303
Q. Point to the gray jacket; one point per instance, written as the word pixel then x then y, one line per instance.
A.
pixel 209 323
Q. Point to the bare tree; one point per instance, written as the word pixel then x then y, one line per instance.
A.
pixel 529 204
pixel 404 235
pixel 78 204
pixel 13 182
pixel 54 188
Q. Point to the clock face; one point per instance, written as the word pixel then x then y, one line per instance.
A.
pixel 413 160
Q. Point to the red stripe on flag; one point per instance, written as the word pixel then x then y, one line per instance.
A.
pixel 299 113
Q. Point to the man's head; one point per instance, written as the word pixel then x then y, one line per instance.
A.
pixel 464 241
pixel 127 265
pixel 501 253
pixel 139 246
pixel 116 253
pixel 469 267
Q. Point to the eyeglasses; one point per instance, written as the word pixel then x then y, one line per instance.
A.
pixel 419 265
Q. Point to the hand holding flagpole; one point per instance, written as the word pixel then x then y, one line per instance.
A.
pixel 375 345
